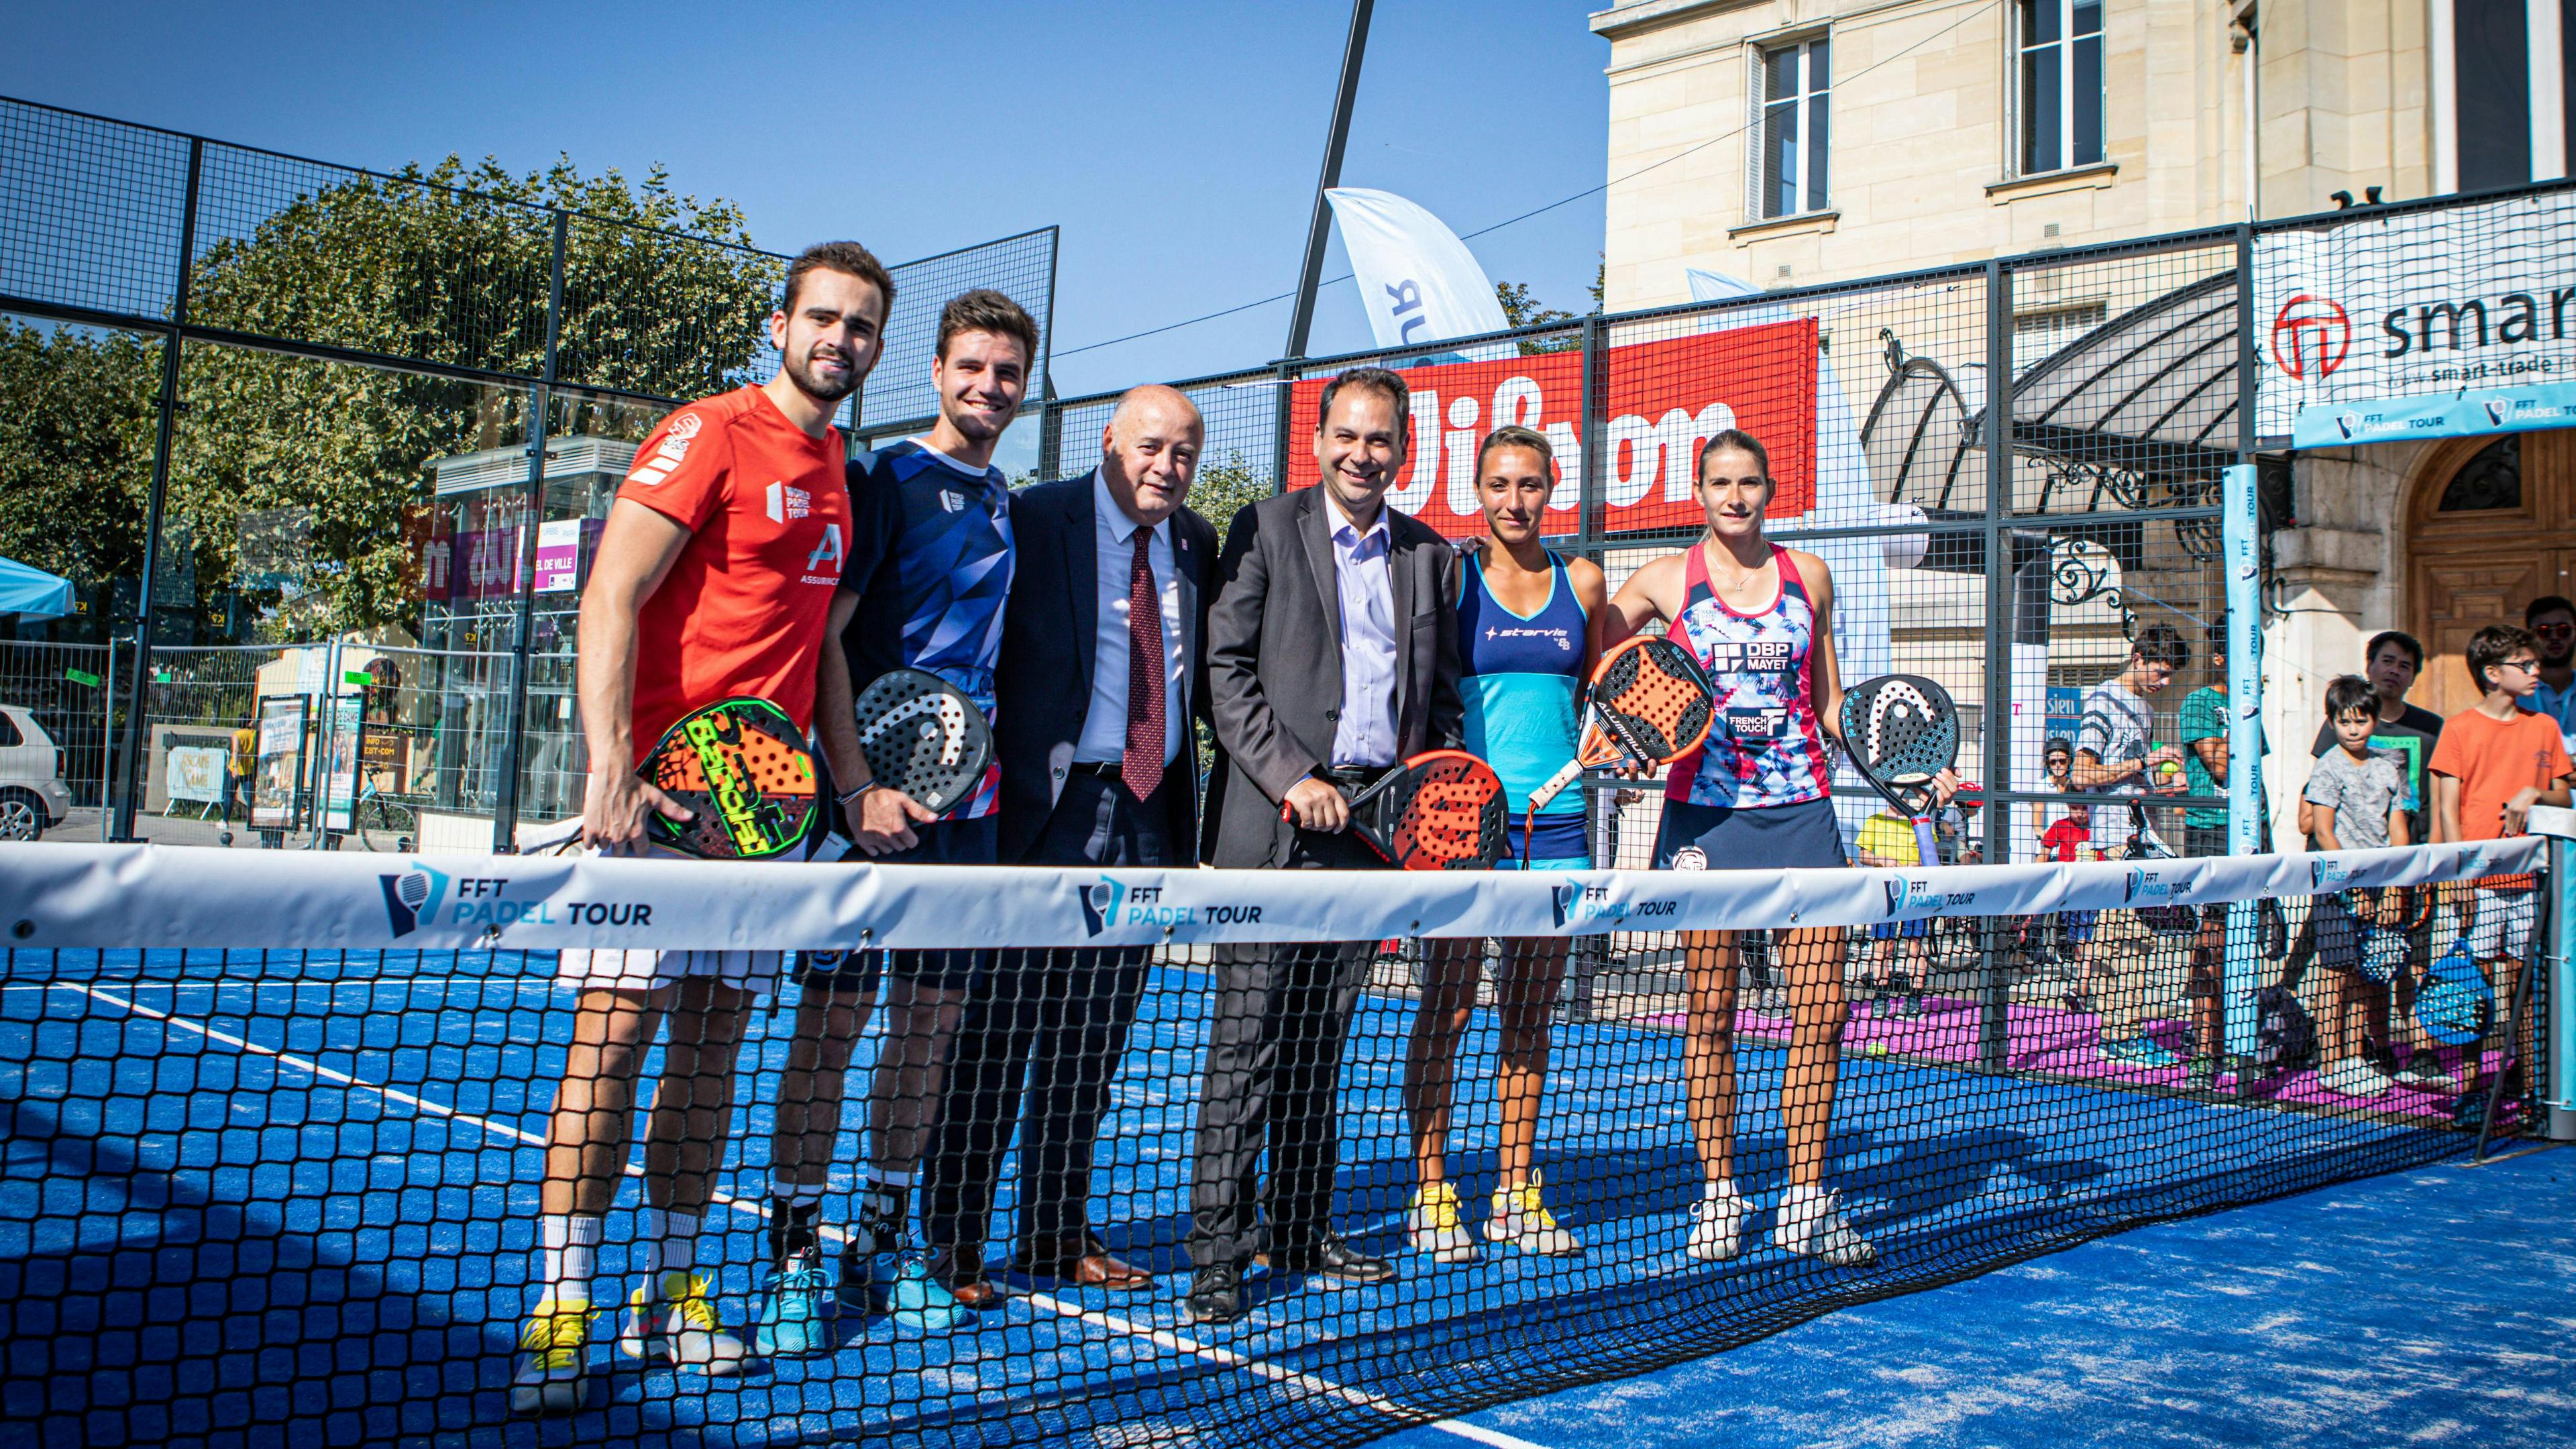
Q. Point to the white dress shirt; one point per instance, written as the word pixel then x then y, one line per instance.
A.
pixel 1104 725
pixel 1365 733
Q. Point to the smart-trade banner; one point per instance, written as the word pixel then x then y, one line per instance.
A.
pixel 1663 400
pixel 2419 324
pixel 92 897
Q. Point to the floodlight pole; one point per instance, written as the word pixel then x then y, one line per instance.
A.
pixel 1319 226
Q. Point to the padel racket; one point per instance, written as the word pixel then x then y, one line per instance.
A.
pixel 743 769
pixel 1440 810
pixel 1651 704
pixel 924 737
pixel 1902 730
pixel 2455 1005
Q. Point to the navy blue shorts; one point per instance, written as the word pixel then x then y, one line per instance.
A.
pixel 942 842
pixel 1561 842
pixel 1780 837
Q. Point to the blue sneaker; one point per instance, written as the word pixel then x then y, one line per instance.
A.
pixel 792 1325
pixel 921 1302
pixel 866 1274
pixel 2137 1051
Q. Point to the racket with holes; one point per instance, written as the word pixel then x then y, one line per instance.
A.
pixel 1440 810
pixel 1902 730
pixel 1651 705
pixel 924 737
pixel 743 769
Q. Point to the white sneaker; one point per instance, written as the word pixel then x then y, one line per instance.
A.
pixel 1717 1223
pixel 1435 1227
pixel 1812 1225
pixel 2356 1079
pixel 680 1324
pixel 551 1376
pixel 1521 1220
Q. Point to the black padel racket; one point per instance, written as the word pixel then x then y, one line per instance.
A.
pixel 1441 810
pixel 1651 704
pixel 743 768
pixel 1902 730
pixel 924 737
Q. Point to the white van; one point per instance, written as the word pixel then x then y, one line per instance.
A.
pixel 33 798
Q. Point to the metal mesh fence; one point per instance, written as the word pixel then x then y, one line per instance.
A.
pixel 1021 268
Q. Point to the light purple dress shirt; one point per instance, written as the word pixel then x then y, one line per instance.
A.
pixel 1365 733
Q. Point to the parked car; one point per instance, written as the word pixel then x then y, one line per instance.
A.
pixel 33 798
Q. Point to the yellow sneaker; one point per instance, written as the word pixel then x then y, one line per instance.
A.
pixel 552 1375
pixel 1434 1227
pixel 680 1324
pixel 1521 1219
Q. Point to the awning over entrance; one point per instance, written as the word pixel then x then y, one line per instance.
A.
pixel 32 591
pixel 2141 408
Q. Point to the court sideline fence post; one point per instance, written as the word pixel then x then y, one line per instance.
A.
pixel 1994 1014
pixel 505 795
pixel 129 751
pixel 2558 1115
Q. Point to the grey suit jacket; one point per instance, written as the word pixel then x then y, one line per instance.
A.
pixel 1275 662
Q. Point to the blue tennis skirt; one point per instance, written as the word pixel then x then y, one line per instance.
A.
pixel 1777 837
pixel 1561 842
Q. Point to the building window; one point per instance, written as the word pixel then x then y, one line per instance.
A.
pixel 2491 480
pixel 2061 84
pixel 1793 128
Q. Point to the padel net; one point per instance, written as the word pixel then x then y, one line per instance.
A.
pixel 278 1135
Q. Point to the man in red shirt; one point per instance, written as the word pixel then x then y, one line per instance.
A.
pixel 718 574
pixel 2491 765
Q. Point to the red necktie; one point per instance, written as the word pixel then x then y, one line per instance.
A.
pixel 1142 767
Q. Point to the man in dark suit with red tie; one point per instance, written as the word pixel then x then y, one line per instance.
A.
pixel 1092 728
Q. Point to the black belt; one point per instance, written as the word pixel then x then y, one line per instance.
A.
pixel 1109 769
pixel 1351 777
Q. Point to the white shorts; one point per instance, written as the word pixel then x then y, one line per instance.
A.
pixel 2500 928
pixel 752 971
pixel 647 970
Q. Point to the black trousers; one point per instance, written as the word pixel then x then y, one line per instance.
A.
pixel 1274 1077
pixel 1038 1042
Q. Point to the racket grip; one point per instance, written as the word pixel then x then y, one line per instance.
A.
pixel 1925 842
pixel 1555 785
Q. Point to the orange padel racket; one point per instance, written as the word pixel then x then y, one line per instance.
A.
pixel 743 767
pixel 1651 705
pixel 1440 810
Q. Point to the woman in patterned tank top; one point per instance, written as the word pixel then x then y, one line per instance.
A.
pixel 1756 796
pixel 1529 626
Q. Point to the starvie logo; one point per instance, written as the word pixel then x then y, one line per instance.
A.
pixel 412 897
pixel 2311 336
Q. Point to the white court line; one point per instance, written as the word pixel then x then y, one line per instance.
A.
pixel 1163 1338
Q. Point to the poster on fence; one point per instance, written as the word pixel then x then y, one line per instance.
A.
pixel 279 773
pixel 194 773
pixel 1662 399
pixel 336 782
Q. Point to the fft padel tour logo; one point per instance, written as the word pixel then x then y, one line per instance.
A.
pixel 412 897
pixel 2311 336
pixel 1100 904
pixel 1107 903
pixel 2326 871
pixel 1917 895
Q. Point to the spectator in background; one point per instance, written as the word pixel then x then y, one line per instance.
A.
pixel 1886 840
pixel 239 766
pixel 2203 729
pixel 2067 839
pixel 2114 749
pixel 2495 762
pixel 2358 796
pixel 2552 622
pixel 2391 660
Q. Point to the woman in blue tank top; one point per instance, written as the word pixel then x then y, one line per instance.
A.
pixel 1528 631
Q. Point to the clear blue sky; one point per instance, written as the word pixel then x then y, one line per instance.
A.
pixel 1176 144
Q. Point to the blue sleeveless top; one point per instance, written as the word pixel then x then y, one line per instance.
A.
pixel 1520 678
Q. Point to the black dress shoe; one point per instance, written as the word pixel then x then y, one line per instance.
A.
pixel 1216 1296
pixel 1335 1260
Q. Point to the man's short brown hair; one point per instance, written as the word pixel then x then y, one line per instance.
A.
pixel 1369 379
pixel 846 257
pixel 988 311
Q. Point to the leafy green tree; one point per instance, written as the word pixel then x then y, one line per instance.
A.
pixel 76 433
pixel 1224 488
pixel 1524 310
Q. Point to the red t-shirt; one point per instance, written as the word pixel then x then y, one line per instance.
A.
pixel 2063 838
pixel 743 609
pixel 2493 759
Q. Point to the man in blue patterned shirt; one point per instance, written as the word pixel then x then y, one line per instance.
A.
pixel 931 561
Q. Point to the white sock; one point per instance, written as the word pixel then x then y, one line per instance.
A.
pixel 571 1255
pixel 680 1242
pixel 1718 1188
pixel 784 1187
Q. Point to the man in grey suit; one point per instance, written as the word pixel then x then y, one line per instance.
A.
pixel 1332 656
pixel 1102 670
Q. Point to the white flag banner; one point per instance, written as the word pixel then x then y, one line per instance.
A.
pixel 1418 281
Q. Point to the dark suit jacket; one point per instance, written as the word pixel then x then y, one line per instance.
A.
pixel 1050 631
pixel 1275 662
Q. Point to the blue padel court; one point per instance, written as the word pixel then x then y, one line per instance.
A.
pixel 292 1199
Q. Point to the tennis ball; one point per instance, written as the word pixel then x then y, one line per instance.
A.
pixel 2168 769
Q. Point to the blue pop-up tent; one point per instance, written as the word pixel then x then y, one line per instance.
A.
pixel 33 591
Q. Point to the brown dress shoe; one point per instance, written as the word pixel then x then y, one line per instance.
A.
pixel 1083 1262
pixel 965 1278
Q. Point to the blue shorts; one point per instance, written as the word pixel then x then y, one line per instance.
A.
pixel 1779 837
pixel 2079 924
pixel 1561 842
pixel 942 842
pixel 1890 930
